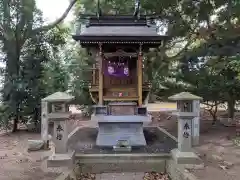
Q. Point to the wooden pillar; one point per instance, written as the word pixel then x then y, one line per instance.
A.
pixel 94 74
pixel 100 71
pixel 140 76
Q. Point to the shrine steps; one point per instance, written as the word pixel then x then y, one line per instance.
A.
pixel 107 163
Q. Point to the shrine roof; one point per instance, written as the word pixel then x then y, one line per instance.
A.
pixel 58 97
pixel 119 28
pixel 119 31
pixel 184 96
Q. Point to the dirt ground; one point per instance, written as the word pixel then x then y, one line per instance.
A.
pixel 220 155
pixel 17 164
pixel 219 151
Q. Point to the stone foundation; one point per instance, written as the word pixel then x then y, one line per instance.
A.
pixel 126 162
pixel 185 157
pixel 61 160
pixel 98 164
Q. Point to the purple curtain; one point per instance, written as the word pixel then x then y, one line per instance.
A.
pixel 117 69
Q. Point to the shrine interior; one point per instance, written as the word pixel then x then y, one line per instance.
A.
pixel 120 71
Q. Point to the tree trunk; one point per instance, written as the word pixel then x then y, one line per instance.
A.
pixel 15 124
pixel 10 95
pixel 231 108
pixel 213 113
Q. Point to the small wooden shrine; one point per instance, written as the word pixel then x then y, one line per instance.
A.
pixel 118 44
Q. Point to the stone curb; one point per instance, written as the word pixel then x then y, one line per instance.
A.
pixel 124 155
pixel 71 134
pixel 122 158
pixel 167 133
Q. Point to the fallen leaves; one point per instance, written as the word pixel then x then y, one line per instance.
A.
pixel 236 141
pixel 155 176
pixel 86 176
pixel 225 165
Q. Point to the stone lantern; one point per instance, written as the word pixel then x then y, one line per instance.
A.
pixel 58 113
pixel 185 114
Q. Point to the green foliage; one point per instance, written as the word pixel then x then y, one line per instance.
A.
pixel 79 64
pixel 27 46
pixel 4 121
pixel 41 72
pixel 203 35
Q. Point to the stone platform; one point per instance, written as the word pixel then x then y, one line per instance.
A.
pixel 84 141
pixel 114 129
pixel 111 133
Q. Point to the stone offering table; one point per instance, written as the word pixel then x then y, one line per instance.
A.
pixel 116 130
pixel 185 113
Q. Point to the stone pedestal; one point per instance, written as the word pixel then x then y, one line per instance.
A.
pixel 110 134
pixel 185 157
pixel 115 129
pixel 120 125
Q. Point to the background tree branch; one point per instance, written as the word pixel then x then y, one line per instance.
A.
pixel 56 22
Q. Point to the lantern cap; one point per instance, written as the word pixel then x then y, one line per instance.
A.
pixel 58 97
pixel 184 96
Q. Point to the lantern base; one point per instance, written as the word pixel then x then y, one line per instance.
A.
pixel 185 157
pixel 61 160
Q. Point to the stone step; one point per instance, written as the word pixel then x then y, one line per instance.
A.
pixel 108 167
pixel 123 156
pixel 120 176
pixel 121 163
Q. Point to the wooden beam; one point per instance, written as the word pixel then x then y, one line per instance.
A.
pixel 140 76
pixel 100 72
pixel 123 54
pixel 120 98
